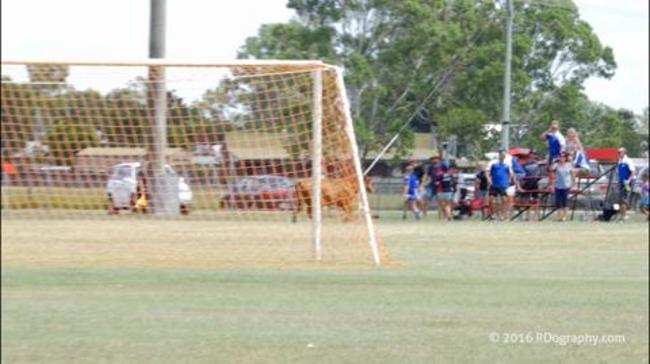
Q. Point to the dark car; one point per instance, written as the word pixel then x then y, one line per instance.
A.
pixel 260 193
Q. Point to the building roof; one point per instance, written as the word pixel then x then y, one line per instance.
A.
pixel 125 152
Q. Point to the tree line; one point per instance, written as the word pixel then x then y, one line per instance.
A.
pixel 435 64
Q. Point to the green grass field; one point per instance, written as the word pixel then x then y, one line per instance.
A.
pixel 107 291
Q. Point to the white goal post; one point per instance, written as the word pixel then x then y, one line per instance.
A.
pixel 265 146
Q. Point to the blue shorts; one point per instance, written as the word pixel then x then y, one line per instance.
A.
pixel 645 202
pixel 429 193
pixel 411 196
pixel 561 197
pixel 482 193
pixel 497 191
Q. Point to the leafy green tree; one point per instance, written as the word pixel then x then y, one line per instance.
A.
pixel 67 137
pixel 468 125
pixel 17 106
pixel 416 59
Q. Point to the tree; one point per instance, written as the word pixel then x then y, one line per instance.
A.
pixel 47 80
pixel 67 137
pixel 17 102
pixel 416 59
pixel 468 126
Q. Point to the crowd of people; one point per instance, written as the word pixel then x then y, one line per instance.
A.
pixel 505 178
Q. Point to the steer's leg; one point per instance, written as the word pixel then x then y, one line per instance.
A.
pixel 308 203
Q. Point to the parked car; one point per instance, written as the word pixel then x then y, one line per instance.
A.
pixel 465 181
pixel 206 154
pixel 261 193
pixel 122 187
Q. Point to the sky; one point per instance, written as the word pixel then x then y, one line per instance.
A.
pixel 215 29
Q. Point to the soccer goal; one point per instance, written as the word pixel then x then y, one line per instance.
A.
pixel 264 150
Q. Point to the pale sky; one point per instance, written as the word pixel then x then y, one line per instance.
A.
pixel 215 29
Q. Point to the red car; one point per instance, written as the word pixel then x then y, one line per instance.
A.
pixel 260 193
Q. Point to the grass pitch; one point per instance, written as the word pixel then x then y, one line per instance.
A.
pixel 147 291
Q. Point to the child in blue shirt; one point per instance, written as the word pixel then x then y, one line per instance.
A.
pixel 555 140
pixel 411 189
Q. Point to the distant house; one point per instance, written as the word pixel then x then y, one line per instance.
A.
pixel 101 160
pixel 255 153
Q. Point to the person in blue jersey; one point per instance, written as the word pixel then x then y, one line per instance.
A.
pixel 499 177
pixel 555 140
pixel 418 170
pixel 581 163
pixel 518 173
pixel 411 191
pixel 625 173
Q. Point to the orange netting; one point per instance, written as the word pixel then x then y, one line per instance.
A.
pixel 78 140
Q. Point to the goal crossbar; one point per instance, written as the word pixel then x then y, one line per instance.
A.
pixel 167 62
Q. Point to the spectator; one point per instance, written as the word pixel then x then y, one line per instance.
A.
pixel 445 193
pixel 418 170
pixel 142 192
pixel 644 202
pixel 577 153
pixel 430 183
pixel 581 163
pixel 564 182
pixel 499 177
pixel 481 186
pixel 573 144
pixel 625 172
pixel 518 174
pixel 530 186
pixel 555 140
pixel 411 186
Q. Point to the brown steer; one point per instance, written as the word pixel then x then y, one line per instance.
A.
pixel 341 193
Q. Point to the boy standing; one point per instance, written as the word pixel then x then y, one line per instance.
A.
pixel 499 177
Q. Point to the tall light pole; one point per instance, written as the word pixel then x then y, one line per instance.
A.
pixel 505 116
pixel 161 187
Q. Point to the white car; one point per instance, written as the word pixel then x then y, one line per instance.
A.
pixel 122 186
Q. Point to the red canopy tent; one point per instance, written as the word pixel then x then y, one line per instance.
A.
pixel 519 152
pixel 603 155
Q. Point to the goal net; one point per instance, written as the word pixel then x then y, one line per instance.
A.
pixel 262 150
